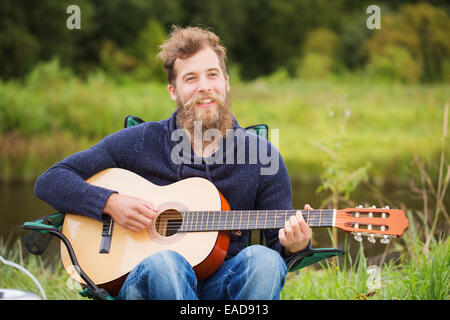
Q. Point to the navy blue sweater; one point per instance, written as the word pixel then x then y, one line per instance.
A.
pixel 146 150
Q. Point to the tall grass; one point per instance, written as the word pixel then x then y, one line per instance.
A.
pixel 424 277
pixel 422 270
pixel 427 278
pixel 52 114
pixel 48 272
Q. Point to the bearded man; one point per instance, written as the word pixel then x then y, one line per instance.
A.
pixel 194 61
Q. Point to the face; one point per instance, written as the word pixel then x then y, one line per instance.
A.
pixel 201 91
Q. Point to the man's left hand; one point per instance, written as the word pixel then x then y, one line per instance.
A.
pixel 296 233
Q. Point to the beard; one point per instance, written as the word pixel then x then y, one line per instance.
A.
pixel 219 117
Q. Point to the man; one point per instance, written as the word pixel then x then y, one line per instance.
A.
pixel 194 61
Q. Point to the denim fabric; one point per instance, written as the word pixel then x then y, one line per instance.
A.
pixel 256 272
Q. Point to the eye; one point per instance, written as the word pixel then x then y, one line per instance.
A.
pixel 189 79
pixel 213 74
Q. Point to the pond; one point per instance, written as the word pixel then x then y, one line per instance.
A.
pixel 19 204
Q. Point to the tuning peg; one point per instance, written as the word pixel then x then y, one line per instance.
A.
pixel 357 236
pixel 371 239
pixel 385 239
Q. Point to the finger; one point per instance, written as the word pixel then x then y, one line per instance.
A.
pixel 134 225
pixel 282 236
pixel 287 231
pixel 140 218
pixel 149 205
pixel 304 227
pixel 146 211
pixel 294 222
pixel 131 228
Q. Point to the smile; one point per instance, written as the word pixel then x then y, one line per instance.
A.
pixel 204 103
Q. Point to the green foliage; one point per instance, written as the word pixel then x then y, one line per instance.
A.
pixel 54 113
pixel 395 64
pixel 322 41
pixel 404 279
pixel 315 66
pixel 114 60
pixel 50 274
pixel 421 30
pixel 319 37
pixel 147 47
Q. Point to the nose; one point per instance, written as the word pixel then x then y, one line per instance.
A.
pixel 204 85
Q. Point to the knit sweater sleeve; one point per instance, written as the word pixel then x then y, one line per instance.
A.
pixel 275 193
pixel 63 185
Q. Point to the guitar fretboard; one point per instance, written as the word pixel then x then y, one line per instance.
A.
pixel 251 219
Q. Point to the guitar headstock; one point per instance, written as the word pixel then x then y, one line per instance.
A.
pixel 383 223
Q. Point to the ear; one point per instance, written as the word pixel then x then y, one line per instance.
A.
pixel 227 83
pixel 172 92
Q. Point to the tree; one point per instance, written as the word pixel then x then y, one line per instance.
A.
pixel 420 29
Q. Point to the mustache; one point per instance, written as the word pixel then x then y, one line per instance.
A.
pixel 198 97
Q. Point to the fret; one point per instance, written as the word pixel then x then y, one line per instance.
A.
pixel 217 218
pixel 313 219
pixel 188 215
pixel 270 218
pixel 225 224
pixel 240 221
pixel 183 222
pixel 221 224
pixel 232 220
pixel 196 220
pixel 203 221
pixel 189 224
pixel 275 219
pixel 320 218
pixel 251 219
pixel 265 221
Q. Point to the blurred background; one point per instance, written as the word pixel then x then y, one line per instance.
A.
pixel 361 113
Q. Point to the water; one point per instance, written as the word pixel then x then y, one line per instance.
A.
pixel 18 204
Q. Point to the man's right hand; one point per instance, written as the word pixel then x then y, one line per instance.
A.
pixel 130 212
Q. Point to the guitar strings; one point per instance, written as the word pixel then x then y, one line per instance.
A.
pixel 315 218
pixel 312 222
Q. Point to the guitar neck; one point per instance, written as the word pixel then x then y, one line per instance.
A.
pixel 251 219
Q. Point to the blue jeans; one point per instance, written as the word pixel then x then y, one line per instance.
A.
pixel 256 272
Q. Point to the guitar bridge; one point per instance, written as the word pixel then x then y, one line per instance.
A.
pixel 107 229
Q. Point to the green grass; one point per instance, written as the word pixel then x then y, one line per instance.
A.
pixel 50 274
pixel 411 277
pixel 52 114
pixel 424 278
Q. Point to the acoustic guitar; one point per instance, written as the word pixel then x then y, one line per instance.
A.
pixel 193 220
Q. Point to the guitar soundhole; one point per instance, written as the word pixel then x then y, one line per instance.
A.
pixel 168 223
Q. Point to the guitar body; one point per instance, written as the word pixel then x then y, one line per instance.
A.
pixel 205 251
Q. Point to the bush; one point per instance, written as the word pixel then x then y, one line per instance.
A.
pixel 395 64
pixel 315 66
pixel 320 49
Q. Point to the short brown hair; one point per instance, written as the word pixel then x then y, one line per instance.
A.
pixel 184 43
